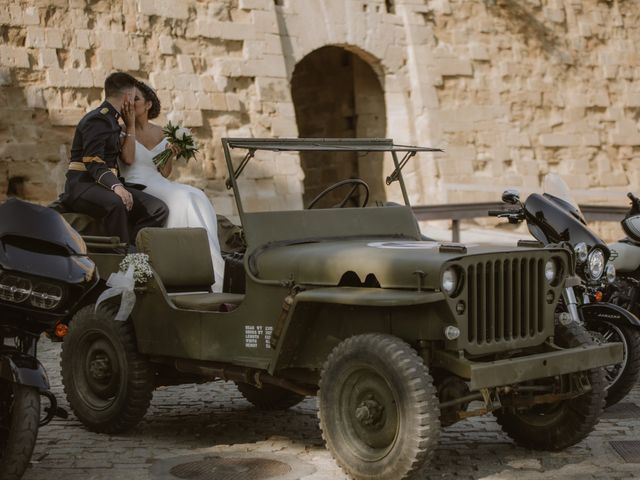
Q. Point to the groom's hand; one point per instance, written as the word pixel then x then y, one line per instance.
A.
pixel 126 197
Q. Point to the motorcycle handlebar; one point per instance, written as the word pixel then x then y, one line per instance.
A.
pixel 496 213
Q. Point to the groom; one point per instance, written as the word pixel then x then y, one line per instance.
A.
pixel 93 185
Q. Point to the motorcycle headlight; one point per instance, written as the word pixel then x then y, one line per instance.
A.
pixel 581 251
pixel 14 289
pixel 610 272
pixel 595 264
pixel 551 270
pixel 449 281
pixel 46 296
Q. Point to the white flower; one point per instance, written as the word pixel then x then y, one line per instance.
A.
pixel 182 132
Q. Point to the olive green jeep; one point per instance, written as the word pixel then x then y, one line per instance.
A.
pixel 397 335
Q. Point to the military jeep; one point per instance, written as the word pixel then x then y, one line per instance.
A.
pixel 397 335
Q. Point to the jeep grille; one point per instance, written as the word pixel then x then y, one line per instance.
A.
pixel 506 299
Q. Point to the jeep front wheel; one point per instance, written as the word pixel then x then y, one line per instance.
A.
pixel 555 426
pixel 107 382
pixel 377 407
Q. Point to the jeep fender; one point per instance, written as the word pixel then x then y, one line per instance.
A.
pixel 23 369
pixel 288 334
pixel 607 312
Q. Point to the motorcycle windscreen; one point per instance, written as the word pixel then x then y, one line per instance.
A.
pixel 556 189
pixel 28 221
pixel 551 223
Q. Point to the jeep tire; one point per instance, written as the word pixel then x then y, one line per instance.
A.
pixel 377 407
pixel 269 397
pixel 107 382
pixel 19 419
pixel 558 425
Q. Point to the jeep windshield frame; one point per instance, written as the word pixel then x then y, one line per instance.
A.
pixel 252 145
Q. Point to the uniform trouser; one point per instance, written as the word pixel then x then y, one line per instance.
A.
pixel 99 202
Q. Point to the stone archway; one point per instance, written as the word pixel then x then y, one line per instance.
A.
pixel 337 94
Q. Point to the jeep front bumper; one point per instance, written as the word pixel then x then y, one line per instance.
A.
pixel 531 367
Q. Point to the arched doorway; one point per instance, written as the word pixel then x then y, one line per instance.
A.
pixel 337 94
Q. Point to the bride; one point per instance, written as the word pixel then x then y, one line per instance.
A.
pixel 188 206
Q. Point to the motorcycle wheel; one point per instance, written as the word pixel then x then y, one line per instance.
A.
pixel 555 426
pixel 19 419
pixel 623 376
pixel 107 382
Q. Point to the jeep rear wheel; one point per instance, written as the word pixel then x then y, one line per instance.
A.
pixel 377 407
pixel 269 397
pixel 555 426
pixel 107 382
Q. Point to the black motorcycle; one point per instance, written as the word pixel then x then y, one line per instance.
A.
pixel 45 275
pixel 555 218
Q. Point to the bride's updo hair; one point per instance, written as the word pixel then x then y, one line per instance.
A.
pixel 150 96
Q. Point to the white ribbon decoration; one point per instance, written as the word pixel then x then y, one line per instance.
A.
pixel 121 284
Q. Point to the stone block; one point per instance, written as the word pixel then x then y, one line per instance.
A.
pixel 83 39
pixel 48 58
pixel 631 99
pixel 125 60
pixel 559 140
pixel 34 97
pixel 113 40
pixel 256 5
pixel 53 37
pixel 30 16
pixel 264 22
pixel 187 81
pixel 284 127
pixel 518 139
pixel 16 57
pixel 66 117
pixel 625 133
pixel 162 80
pixel 184 63
pixel 272 89
pixel 35 38
pixel 165 8
pixel 165 44
pixel 192 118
pixel 478 51
pixel 219 101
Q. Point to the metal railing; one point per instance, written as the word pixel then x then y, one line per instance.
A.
pixel 461 211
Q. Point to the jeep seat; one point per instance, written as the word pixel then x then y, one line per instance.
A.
pixel 181 258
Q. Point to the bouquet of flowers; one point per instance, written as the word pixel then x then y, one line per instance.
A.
pixel 180 137
pixel 141 268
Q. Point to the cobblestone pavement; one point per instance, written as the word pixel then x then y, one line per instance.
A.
pixel 192 419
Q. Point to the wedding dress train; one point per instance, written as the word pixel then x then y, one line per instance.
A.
pixel 188 206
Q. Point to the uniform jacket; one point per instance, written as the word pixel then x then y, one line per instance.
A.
pixel 94 152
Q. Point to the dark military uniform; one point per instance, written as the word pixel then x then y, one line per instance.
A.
pixel 93 173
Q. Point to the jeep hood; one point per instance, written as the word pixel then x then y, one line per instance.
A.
pixel 394 263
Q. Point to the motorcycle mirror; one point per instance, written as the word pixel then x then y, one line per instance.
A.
pixel 511 197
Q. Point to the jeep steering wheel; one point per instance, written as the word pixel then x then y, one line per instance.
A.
pixel 356 182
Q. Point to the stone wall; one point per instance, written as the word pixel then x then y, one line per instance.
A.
pixel 511 88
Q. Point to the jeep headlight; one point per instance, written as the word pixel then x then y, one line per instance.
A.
pixel 610 272
pixel 595 264
pixel 582 252
pixel 449 283
pixel 551 270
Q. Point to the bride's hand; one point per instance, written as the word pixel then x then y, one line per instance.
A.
pixel 175 150
pixel 128 113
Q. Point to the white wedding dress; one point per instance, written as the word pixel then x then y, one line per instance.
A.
pixel 188 206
